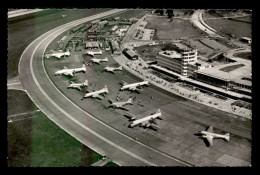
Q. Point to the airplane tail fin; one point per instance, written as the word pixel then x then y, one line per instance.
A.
pixel 158 111
pixel 227 137
pixel 86 82
pixel 120 67
pixel 71 82
pixel 105 88
pixel 130 100
pixel 105 59
pixel 84 66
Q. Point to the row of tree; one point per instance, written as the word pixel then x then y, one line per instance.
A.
pixel 169 12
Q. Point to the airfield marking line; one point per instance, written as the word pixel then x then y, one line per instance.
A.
pixel 14 83
pixel 76 121
pixel 11 121
pixel 65 25
pixel 108 125
pixel 24 113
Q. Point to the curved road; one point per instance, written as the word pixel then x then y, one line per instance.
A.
pixel 92 132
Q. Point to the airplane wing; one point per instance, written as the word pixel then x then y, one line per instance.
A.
pixel 152 121
pixel 58 55
pixel 154 127
pixel 132 88
pixel 68 73
pixel 129 116
pixel 209 139
pixel 111 71
pixel 124 83
pixel 210 129
pixel 97 96
pixel 148 124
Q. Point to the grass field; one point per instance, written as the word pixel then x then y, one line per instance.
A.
pixel 149 53
pixel 35 141
pixel 239 29
pixel 245 55
pixel 231 68
pixel 135 13
pixel 165 30
pixel 111 164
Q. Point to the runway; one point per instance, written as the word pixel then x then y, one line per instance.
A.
pixel 92 132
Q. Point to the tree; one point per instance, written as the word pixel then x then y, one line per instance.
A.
pixel 161 12
pixel 157 11
pixel 170 13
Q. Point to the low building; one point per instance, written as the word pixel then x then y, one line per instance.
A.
pixel 130 54
pixel 120 32
pixel 92 33
pixel 114 28
pixel 102 23
pixel 116 48
pixel 133 20
pixel 124 23
pixel 92 45
pixel 232 76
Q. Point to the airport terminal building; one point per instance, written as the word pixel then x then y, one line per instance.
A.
pixel 183 63
pixel 232 76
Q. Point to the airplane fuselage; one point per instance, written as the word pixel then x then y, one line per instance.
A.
pixel 111 69
pixel 134 85
pixel 137 122
pixel 77 85
pixel 58 55
pixel 59 72
pixel 214 135
pixel 120 104
pixel 94 53
pixel 96 92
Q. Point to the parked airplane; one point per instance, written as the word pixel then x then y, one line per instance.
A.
pixel 153 44
pixel 209 135
pixel 134 86
pixel 112 69
pixel 94 60
pixel 57 54
pixel 120 104
pixel 97 94
pixel 78 85
pixel 146 121
pixel 92 53
pixel 71 72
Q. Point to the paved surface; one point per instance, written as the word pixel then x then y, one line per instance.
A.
pixel 97 135
pixel 14 84
pixel 197 20
pixel 101 162
pixel 174 140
